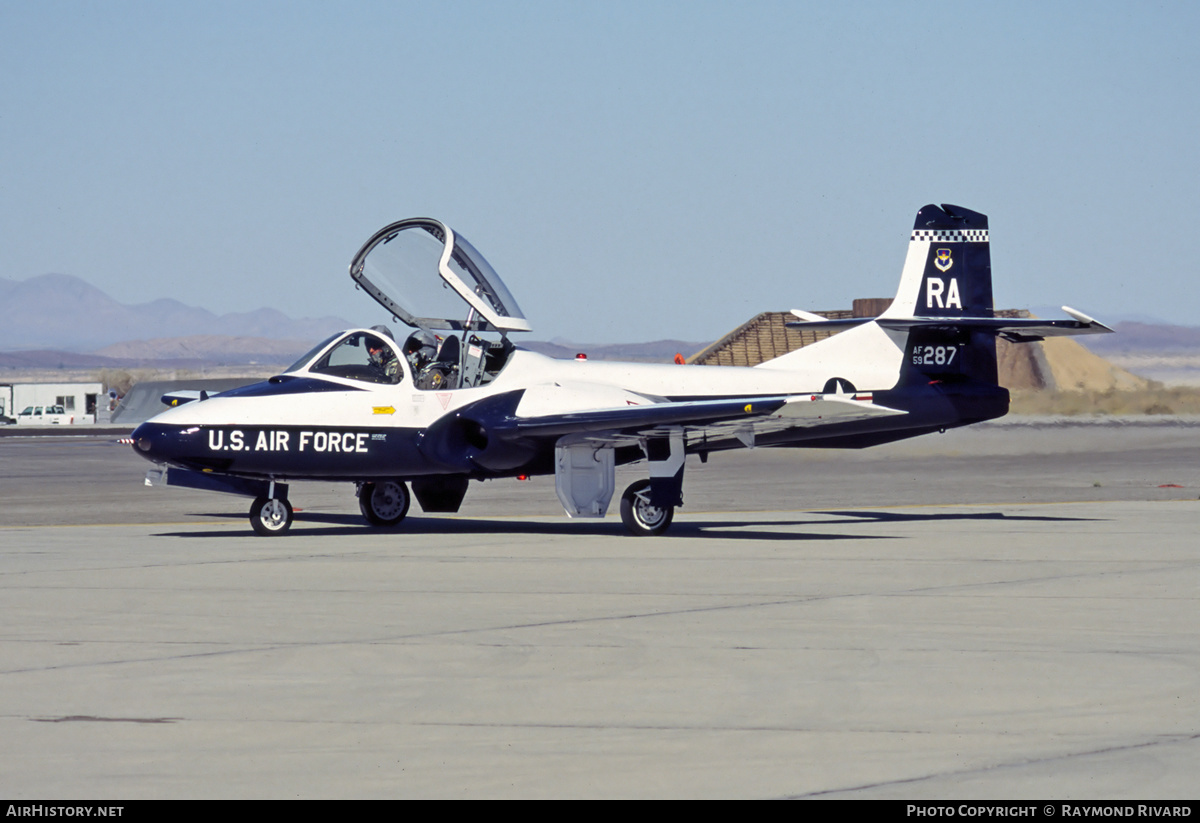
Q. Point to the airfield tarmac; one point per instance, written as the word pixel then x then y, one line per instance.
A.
pixel 1007 611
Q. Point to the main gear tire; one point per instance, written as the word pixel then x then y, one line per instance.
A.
pixel 385 503
pixel 642 519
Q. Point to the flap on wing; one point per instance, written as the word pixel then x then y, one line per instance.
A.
pixel 815 409
pixel 782 411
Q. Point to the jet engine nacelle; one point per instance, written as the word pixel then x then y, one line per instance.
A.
pixel 468 439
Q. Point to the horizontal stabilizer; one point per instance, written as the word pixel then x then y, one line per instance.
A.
pixel 1015 329
pixel 816 322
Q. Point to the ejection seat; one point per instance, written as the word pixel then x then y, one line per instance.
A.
pixel 442 372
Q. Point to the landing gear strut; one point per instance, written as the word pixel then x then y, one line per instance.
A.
pixel 271 515
pixel 384 503
pixel 640 517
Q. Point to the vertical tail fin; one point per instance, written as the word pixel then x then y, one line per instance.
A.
pixel 948 271
pixel 947 274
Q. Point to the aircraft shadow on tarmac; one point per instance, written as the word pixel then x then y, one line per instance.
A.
pixel 350 525
pixel 905 517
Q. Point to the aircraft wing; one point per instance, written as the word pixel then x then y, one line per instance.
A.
pixel 726 416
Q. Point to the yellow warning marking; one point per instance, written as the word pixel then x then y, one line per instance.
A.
pixel 383 409
pixel 748 409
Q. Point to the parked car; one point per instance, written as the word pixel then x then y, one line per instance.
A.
pixel 44 416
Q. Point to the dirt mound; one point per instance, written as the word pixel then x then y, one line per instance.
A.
pixel 1061 364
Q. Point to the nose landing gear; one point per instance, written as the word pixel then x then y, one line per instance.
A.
pixel 271 515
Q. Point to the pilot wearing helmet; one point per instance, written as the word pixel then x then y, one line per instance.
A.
pixel 420 349
pixel 383 359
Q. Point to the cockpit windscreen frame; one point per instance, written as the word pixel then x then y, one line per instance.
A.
pixel 489 304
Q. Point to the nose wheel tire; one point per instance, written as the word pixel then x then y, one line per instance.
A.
pixel 642 519
pixel 384 503
pixel 271 516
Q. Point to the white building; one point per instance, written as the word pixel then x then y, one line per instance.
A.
pixel 51 403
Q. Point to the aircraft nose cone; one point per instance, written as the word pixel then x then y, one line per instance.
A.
pixel 145 440
pixel 167 443
pixel 142 439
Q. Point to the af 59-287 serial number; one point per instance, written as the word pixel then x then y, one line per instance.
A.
pixel 934 355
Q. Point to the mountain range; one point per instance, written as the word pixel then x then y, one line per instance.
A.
pixel 66 313
pixel 61 321
pixel 1145 338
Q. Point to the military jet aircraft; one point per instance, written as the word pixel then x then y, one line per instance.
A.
pixel 455 400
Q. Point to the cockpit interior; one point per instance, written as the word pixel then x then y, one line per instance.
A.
pixel 435 282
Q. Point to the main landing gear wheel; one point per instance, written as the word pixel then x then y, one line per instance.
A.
pixel 385 503
pixel 641 518
pixel 270 516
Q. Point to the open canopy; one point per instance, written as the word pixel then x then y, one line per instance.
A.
pixel 423 273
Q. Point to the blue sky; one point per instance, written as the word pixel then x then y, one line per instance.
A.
pixel 634 170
